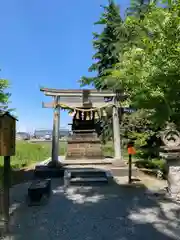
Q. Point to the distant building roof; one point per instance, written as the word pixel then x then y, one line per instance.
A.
pixel 22 133
pixel 44 132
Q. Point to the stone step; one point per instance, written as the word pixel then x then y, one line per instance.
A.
pixel 89 180
pixel 83 140
pixel 77 152
pixel 79 158
pixel 88 174
pixel 87 147
pixel 46 172
pixel 85 134
pixel 90 161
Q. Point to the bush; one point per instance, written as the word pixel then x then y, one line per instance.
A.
pixel 156 164
pixel 139 127
pixel 108 149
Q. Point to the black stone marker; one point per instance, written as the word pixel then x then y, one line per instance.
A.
pixel 39 189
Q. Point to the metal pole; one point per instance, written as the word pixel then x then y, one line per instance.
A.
pixel 116 133
pixel 6 184
pixel 55 135
pixel 130 168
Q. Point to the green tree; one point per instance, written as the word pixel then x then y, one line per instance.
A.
pixel 150 69
pixel 146 67
pixel 4 95
pixel 138 8
pixel 104 43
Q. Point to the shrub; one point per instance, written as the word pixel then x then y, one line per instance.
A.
pixel 158 164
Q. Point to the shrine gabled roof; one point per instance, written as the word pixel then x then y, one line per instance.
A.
pixel 3 113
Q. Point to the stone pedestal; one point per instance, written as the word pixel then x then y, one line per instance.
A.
pixel 172 157
pixel 84 144
pixel 174 178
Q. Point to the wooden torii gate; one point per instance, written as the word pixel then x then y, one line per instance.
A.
pixel 77 98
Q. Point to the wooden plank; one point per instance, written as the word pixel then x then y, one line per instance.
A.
pixel 7 135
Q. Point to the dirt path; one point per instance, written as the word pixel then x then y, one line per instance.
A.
pixel 113 211
pixel 116 211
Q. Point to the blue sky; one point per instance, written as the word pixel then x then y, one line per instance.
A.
pixel 45 43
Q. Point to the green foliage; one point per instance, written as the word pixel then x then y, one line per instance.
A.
pixel 138 121
pixel 149 70
pixel 106 46
pixel 138 8
pixel 104 43
pixel 108 149
pixel 139 128
pixel 155 164
pixel 144 62
pixel 4 96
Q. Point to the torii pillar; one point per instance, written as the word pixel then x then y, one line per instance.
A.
pixel 55 133
pixel 116 134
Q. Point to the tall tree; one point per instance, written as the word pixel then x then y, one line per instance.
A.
pixel 138 8
pixel 4 95
pixel 150 73
pixel 104 43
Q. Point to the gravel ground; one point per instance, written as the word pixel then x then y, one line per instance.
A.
pixel 108 212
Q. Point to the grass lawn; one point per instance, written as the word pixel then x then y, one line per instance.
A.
pixel 29 153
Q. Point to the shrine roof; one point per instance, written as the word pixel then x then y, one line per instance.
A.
pixel 3 113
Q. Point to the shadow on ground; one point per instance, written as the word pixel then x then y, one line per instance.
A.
pixel 17 176
pixel 116 212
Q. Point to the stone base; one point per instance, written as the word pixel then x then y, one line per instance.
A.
pixel 84 151
pixel 119 163
pixel 84 145
pixel 173 179
pixel 49 170
pixel 38 189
